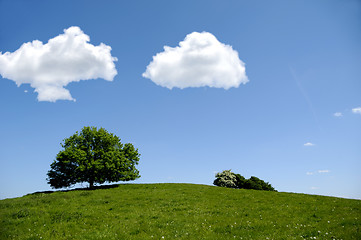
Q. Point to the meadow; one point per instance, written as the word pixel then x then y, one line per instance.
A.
pixel 178 211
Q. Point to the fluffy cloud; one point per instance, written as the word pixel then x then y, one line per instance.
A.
pixel 323 171
pixel 357 110
pixel 308 144
pixel 200 60
pixel 337 114
pixel 49 67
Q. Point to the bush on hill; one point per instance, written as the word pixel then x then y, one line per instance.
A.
pixel 234 180
pixel 226 179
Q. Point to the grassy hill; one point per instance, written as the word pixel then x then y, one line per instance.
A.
pixel 178 211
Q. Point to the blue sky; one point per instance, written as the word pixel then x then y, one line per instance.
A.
pixel 302 62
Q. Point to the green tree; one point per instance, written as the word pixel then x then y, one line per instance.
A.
pixel 93 156
pixel 258 184
pixel 240 181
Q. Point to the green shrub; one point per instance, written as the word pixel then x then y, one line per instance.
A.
pixel 241 181
pixel 232 180
pixel 258 184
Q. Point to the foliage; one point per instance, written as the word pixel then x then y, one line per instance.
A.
pixel 178 211
pixel 94 156
pixel 257 184
pixel 234 180
pixel 226 179
pixel 240 181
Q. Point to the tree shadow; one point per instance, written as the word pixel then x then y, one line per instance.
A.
pixel 76 189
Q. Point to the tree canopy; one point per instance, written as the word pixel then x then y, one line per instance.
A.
pixel 93 156
pixel 229 179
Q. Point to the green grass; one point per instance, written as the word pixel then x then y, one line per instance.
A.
pixel 178 211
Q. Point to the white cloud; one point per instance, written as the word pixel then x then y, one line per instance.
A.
pixel 318 171
pixel 200 60
pixel 308 144
pixel 64 59
pixel 337 114
pixel 357 110
pixel 314 188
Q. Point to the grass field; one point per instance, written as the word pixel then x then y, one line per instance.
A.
pixel 178 211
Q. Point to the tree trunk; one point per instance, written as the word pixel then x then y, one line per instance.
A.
pixel 91 184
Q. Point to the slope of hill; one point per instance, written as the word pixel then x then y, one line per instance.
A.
pixel 178 211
